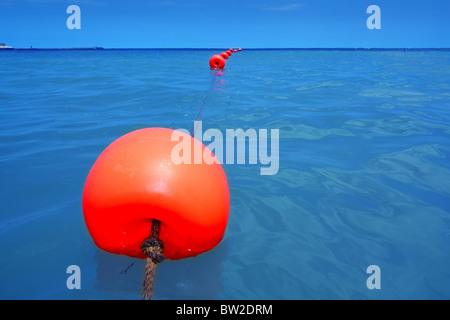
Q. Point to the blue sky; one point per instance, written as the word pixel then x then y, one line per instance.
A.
pixel 224 24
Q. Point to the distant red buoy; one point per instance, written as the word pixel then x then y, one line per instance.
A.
pixel 135 180
pixel 224 55
pixel 217 62
pixel 229 53
pixel 234 50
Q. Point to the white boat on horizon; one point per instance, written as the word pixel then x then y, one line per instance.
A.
pixel 3 46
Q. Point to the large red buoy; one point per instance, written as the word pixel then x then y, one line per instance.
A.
pixel 217 61
pixel 135 180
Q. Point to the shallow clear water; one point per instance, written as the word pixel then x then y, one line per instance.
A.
pixel 364 175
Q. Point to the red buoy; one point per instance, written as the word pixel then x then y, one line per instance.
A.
pixel 224 55
pixel 217 62
pixel 229 53
pixel 234 50
pixel 135 180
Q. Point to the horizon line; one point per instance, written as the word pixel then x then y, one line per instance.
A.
pixel 217 48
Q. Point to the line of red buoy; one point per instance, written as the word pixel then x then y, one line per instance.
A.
pixel 138 202
pixel 217 61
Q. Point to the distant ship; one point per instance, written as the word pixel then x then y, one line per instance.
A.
pixel 86 48
pixel 3 46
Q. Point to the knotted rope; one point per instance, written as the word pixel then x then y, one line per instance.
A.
pixel 152 247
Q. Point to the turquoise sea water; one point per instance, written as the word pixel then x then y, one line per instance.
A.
pixel 364 171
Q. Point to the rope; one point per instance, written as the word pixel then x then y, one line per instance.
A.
pixel 152 247
pixel 204 100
